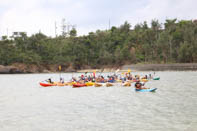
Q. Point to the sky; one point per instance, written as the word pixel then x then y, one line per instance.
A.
pixel 32 16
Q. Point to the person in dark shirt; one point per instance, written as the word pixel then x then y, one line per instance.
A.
pixel 50 81
pixel 139 85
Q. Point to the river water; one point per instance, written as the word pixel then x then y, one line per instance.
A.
pixel 25 106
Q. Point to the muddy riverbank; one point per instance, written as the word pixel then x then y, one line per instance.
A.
pixel 23 68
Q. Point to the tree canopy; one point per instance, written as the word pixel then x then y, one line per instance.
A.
pixel 172 42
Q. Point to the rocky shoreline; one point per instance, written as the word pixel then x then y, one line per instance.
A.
pixel 23 68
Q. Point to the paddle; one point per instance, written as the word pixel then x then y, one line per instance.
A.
pixel 94 73
pixel 117 70
pixel 60 68
pixel 129 70
pixel 101 71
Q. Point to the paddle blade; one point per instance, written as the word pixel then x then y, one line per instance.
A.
pixel 117 70
pixel 129 70
pixel 60 68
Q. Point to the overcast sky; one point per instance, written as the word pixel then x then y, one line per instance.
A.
pixel 87 15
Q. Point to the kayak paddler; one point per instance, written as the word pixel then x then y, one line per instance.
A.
pixel 50 81
pixel 138 85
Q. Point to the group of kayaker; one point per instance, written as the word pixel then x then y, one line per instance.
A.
pixel 125 78
pixel 101 79
pixel 51 82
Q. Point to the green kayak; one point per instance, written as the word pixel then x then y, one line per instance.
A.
pixel 156 78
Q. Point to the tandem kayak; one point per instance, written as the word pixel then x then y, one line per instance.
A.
pixel 146 90
pixel 47 84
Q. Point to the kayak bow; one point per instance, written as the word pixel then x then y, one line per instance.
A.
pixel 146 90
pixel 156 78
pixel 47 84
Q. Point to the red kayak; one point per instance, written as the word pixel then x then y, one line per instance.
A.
pixel 134 80
pixel 47 84
pixel 79 85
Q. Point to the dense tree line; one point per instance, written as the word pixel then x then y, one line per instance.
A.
pixel 171 42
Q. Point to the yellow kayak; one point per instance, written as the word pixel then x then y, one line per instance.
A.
pixel 60 84
pixel 71 83
pixel 118 80
pixel 144 80
pixel 89 83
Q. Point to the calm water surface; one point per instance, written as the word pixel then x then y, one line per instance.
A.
pixel 25 106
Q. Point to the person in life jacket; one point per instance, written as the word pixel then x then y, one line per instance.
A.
pixel 139 85
pixel 61 80
pixel 50 81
